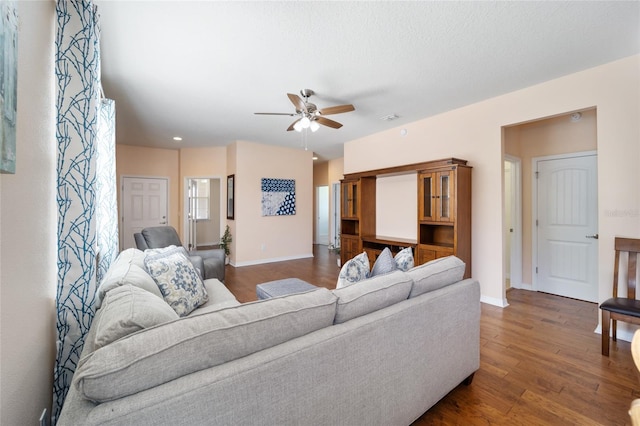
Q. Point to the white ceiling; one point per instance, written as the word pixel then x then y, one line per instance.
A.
pixel 201 69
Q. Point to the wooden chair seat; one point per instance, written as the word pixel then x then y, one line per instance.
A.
pixel 622 306
pixel 626 309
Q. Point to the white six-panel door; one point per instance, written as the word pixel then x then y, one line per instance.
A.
pixel 567 227
pixel 144 204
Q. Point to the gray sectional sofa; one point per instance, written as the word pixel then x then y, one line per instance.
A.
pixel 378 352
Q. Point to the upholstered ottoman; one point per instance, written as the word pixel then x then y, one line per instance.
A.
pixel 282 288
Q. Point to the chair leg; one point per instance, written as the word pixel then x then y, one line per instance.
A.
pixel 606 320
pixel 614 329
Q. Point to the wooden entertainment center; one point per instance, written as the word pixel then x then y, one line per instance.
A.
pixel 443 216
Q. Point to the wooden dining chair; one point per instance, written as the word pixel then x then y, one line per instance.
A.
pixel 626 309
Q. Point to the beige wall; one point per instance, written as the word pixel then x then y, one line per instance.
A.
pixel 553 136
pixel 260 239
pixel 141 161
pixel 28 212
pixel 474 133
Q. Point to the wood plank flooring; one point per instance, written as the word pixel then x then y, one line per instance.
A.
pixel 540 361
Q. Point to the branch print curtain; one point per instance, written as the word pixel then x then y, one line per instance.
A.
pixel 106 188
pixel 80 190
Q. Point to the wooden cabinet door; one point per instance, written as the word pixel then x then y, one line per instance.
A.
pixel 427 196
pixel 445 196
pixel 350 247
pixel 350 200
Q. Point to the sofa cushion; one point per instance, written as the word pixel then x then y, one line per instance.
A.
pixel 163 353
pixel 126 269
pixel 354 270
pixel 384 263
pixel 404 259
pixel 179 282
pixel 436 274
pixel 371 295
pixel 127 309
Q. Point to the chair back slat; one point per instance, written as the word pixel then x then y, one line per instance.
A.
pixel 631 274
pixel 632 247
pixel 615 273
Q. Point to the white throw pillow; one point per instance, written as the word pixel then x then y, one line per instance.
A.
pixel 404 259
pixel 178 280
pixel 354 270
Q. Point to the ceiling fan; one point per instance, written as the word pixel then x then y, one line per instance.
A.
pixel 309 116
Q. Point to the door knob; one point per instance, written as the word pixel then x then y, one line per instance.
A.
pixel 594 236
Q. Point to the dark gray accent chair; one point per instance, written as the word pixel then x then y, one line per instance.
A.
pixel 164 236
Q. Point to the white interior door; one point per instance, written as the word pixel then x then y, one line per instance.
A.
pixel 144 204
pixel 322 215
pixel 567 207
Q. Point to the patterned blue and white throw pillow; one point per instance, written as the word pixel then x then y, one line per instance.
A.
pixel 177 279
pixel 404 259
pixel 384 263
pixel 354 270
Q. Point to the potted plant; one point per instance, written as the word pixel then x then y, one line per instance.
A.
pixel 225 244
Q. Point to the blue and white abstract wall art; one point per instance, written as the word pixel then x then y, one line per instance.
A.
pixel 278 197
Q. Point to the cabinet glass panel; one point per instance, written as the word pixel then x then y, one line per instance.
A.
pixel 354 203
pixel 444 196
pixel 345 200
pixel 426 199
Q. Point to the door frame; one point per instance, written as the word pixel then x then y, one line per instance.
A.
pixel 121 212
pixel 516 219
pixel 534 204
pixel 185 204
pixel 316 237
pixel 334 213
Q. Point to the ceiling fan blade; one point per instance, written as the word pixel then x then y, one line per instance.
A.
pixel 328 123
pixel 274 113
pixel 339 109
pixel 297 102
pixel 290 128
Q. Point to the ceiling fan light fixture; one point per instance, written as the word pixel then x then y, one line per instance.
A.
pixel 305 122
pixel 314 126
pixel 298 126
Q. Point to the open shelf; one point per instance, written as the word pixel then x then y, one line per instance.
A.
pixel 439 235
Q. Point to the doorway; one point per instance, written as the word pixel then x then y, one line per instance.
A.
pixel 202 212
pixel 144 204
pixel 322 215
pixel 335 214
pixel 567 134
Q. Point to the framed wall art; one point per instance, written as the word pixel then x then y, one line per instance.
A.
pixel 231 196
pixel 278 197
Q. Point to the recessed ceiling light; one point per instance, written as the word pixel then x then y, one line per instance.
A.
pixel 389 117
pixel 177 138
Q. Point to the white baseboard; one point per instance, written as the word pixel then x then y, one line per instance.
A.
pixel 271 260
pixel 502 303
pixel 622 334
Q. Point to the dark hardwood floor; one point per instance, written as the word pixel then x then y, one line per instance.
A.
pixel 540 361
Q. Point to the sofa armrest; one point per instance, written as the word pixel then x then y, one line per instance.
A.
pixel 208 254
pixel 198 263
